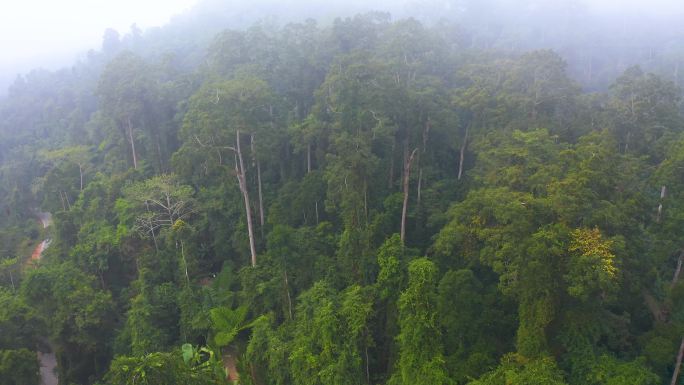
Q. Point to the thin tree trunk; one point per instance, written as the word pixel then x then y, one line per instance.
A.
pixel 663 192
pixel 407 174
pixel 367 367
pixel 66 198
pixel 462 154
pixel 80 173
pixel 185 263
pixel 316 206
pixel 61 198
pixel 287 290
pixel 154 238
pixel 220 157
pixel 678 270
pixel 628 138
pixel 308 158
pixel 240 173
pixel 678 364
pixel 130 138
pixel 12 281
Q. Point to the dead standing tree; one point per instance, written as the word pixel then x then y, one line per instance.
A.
pixel 164 201
pixel 240 174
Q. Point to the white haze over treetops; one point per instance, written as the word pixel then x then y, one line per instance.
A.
pixel 51 33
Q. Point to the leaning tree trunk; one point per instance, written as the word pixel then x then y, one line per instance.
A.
pixel 678 364
pixel 678 270
pixel 407 174
pixel 130 138
pixel 462 154
pixel 240 173
pixel 287 291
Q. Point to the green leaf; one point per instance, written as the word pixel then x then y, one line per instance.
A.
pixel 188 352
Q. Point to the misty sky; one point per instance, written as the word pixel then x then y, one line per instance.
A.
pixel 49 33
pixel 653 7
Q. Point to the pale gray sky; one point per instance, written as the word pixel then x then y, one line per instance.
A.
pixel 49 33
pixel 657 7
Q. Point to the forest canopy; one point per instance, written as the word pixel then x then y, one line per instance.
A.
pixel 363 201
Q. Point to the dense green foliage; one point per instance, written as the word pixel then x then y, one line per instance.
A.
pixel 365 202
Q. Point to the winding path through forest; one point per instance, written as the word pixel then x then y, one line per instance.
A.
pixel 48 360
pixel 46 220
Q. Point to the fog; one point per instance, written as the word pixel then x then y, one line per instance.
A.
pixel 51 34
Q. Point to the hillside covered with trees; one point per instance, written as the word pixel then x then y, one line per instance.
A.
pixel 368 200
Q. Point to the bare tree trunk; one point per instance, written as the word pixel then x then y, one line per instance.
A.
pixel 154 238
pixel 663 192
pixel 185 264
pixel 678 270
pixel 12 281
pixel 308 158
pixel 678 364
pixel 240 173
pixel 80 173
pixel 367 367
pixel 407 174
pixel 130 138
pixel 287 290
pixel 462 154
pixel 316 206
pixel 628 138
